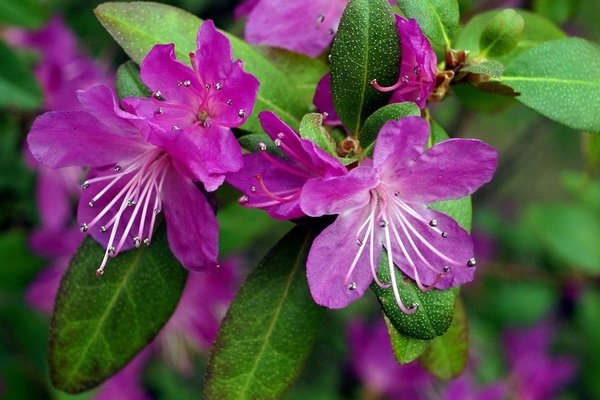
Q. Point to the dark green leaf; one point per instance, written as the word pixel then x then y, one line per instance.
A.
pixel 446 355
pixel 311 127
pixel 437 18
pixel 366 47
pixel 138 26
pixel 269 329
pixel 17 263
pixel 18 86
pixel 434 312
pixel 406 349
pixel 373 124
pixel 501 34
pixel 101 323
pixel 553 82
pixel 128 82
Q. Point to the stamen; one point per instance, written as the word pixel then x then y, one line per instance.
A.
pixel 272 195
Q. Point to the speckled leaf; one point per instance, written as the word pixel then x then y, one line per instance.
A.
pixel 553 81
pixel 446 355
pixel 373 124
pixel 101 323
pixel 366 47
pixel 435 308
pixel 269 329
pixel 406 349
pixel 128 82
pixel 501 34
pixel 137 26
pixel 438 19
pixel 493 69
pixel 311 127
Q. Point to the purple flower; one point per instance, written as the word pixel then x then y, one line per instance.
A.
pixel 199 105
pixel 62 69
pixel 132 178
pixel 126 384
pixel 418 68
pixel 464 388
pixel 324 102
pixel 274 184
pixel 382 203
pixel 535 374
pixel 194 324
pixel 374 364
pixel 306 27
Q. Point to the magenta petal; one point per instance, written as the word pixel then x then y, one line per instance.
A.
pixel 456 246
pixel 339 194
pixel 294 25
pixel 214 55
pixel 330 259
pixel 192 227
pixel 400 142
pixel 450 169
pixel 60 139
pixel 324 103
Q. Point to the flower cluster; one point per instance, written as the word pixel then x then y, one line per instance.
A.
pixel 152 155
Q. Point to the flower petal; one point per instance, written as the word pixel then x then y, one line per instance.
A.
pixel 330 259
pixel 340 194
pixel 192 228
pixel 450 169
pixel 400 142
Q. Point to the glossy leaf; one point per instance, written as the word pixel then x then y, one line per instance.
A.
pixel 366 47
pixel 555 84
pixel 537 30
pixel 438 19
pixel 406 349
pixel 269 329
pixel 101 323
pixel 128 82
pixel 434 313
pixel 373 124
pixel 138 26
pixel 501 34
pixel 490 68
pixel 18 86
pixel 446 355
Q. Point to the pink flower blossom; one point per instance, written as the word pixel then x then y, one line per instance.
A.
pixel 275 184
pixel 383 204
pixel 198 105
pixel 132 178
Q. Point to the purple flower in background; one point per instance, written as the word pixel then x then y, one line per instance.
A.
pixel 464 388
pixel 324 103
pixel 126 384
pixel 535 374
pixel 374 364
pixel 62 69
pixel 383 203
pixel 132 178
pixel 306 27
pixel 275 184
pixel 194 324
pixel 199 105
pixel 418 68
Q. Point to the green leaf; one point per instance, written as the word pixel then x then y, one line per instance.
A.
pixel 501 34
pixel 373 124
pixel 18 86
pixel 569 232
pixel 555 84
pixel 438 19
pixel 138 26
pixel 311 127
pixel 446 356
pixel 269 329
pixel 29 14
pixel 434 312
pixel 17 264
pixel 101 323
pixel 489 68
pixel 128 82
pixel 536 30
pixel 406 349
pixel 366 47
